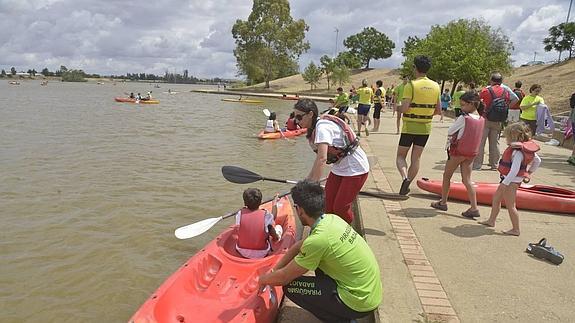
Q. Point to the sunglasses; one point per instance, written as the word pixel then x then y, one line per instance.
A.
pixel 299 117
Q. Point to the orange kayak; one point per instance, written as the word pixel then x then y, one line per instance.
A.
pixel 129 100
pixel 529 197
pixel 290 97
pixel 277 135
pixel 218 285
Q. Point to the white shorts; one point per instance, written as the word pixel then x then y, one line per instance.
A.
pixel 513 115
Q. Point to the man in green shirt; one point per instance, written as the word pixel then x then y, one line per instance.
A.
pixel 347 283
pixel 455 100
pixel 342 104
pixel 397 97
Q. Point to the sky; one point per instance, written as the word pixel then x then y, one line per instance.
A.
pixel 127 36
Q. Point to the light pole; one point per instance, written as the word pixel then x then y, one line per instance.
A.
pixel 534 55
pixel 336 39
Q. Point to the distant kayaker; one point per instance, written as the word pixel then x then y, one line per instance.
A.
pixel 139 97
pixel 419 104
pixel 517 164
pixel 464 138
pixel 132 95
pixel 347 283
pixel 334 143
pixel 256 225
pixel 290 123
pixel 272 124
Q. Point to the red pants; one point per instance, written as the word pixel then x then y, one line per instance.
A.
pixel 340 191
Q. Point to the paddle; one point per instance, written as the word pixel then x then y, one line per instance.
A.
pixel 240 175
pixel 195 229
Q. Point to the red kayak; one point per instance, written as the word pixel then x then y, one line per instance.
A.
pixel 129 100
pixel 529 197
pixel 290 97
pixel 277 135
pixel 219 285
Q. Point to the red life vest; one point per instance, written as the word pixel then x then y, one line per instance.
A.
pixel 334 154
pixel 251 233
pixel 468 144
pixel 528 149
pixel 290 124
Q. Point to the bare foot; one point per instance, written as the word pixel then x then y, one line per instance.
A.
pixel 511 232
pixel 487 223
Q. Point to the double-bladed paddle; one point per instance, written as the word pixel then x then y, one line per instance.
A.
pixel 240 175
pixel 195 229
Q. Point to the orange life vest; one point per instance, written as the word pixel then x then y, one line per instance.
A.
pixel 468 144
pixel 528 149
pixel 290 124
pixel 334 154
pixel 251 233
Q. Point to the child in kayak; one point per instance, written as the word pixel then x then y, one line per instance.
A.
pixel 517 164
pixel 272 124
pixel 290 123
pixel 256 225
pixel 464 137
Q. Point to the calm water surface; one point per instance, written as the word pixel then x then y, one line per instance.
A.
pixel 91 190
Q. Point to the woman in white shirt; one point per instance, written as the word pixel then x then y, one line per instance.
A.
pixel 335 143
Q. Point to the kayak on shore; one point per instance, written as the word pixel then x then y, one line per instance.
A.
pixel 243 100
pixel 129 100
pixel 219 285
pixel 529 197
pixel 278 135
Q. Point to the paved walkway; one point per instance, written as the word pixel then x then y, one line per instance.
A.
pixel 440 267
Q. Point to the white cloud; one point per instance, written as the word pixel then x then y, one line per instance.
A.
pixel 115 37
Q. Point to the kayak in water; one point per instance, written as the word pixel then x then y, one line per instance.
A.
pixel 130 100
pixel 278 135
pixel 243 100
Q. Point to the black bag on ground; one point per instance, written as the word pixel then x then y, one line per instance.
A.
pixel 499 108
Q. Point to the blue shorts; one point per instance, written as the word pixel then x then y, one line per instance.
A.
pixel 363 109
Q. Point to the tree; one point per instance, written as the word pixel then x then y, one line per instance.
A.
pixel 268 41
pixel 73 76
pixel 348 59
pixel 13 70
pixel 461 51
pixel 409 44
pixel 341 75
pixel 561 38
pixel 312 75
pixel 369 44
pixel 327 66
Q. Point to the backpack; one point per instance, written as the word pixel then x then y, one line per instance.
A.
pixel 499 108
pixel 520 95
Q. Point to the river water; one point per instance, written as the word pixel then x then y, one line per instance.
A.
pixel 91 190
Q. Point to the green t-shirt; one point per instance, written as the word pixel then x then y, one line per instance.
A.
pixel 530 113
pixel 398 91
pixel 342 100
pixel 456 97
pixel 342 254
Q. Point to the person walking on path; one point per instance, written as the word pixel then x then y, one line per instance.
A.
pixel 515 110
pixel 342 104
pixel 455 100
pixel 464 138
pixel 419 104
pixel 445 102
pixel 571 159
pixel 347 283
pixel 529 107
pixel 397 97
pixel 365 94
pixel 519 161
pixel 334 143
pixel 497 98
pixel 378 102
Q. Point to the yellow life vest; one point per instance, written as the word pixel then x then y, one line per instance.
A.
pixel 424 97
pixel 365 94
pixel 379 99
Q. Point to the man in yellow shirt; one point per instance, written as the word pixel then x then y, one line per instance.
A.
pixel 421 101
pixel 365 94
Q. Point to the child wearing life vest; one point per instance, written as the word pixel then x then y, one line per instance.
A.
pixel 272 124
pixel 256 225
pixel 290 123
pixel 464 138
pixel 517 164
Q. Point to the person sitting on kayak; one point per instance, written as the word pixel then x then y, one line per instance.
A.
pixel 290 123
pixel 463 145
pixel 132 95
pixel 148 96
pixel 517 164
pixel 347 283
pixel 256 226
pixel 272 124
pixel 139 97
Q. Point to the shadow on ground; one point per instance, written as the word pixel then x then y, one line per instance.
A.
pixel 471 231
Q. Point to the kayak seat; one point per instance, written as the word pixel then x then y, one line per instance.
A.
pixel 207 270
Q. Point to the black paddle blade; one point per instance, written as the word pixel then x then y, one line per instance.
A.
pixel 239 175
pixel 385 195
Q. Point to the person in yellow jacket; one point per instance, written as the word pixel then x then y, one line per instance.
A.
pixel 365 94
pixel 421 101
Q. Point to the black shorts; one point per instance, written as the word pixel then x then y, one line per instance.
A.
pixel 406 140
pixel 377 110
